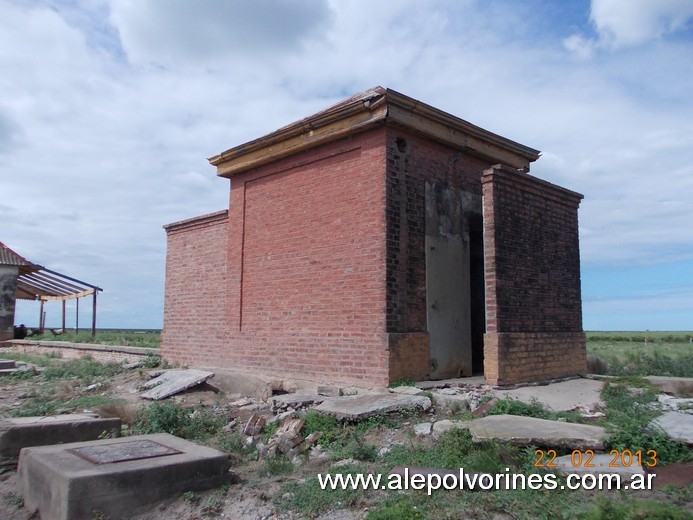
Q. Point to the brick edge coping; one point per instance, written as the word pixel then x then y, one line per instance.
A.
pixel 94 347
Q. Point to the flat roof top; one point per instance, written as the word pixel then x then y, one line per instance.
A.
pixel 373 107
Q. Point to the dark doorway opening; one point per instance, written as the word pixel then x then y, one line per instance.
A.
pixel 477 291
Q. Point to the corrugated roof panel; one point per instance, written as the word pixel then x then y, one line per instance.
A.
pixel 9 257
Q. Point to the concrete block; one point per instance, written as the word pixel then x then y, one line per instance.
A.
pixel 678 386
pixel 7 363
pixel 360 407
pixel 22 432
pixel 174 381
pixel 528 431
pixel 118 478
pixel 330 391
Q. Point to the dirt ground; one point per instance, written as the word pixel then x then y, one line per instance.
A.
pixel 251 495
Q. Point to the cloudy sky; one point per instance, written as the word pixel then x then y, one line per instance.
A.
pixel 109 109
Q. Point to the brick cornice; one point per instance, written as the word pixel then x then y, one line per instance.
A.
pixel 506 175
pixel 375 107
pixel 196 222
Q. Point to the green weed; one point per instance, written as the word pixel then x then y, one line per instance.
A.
pixel 233 443
pixel 191 497
pixel 278 465
pixel 629 414
pixel 399 510
pixel 86 369
pixel 150 361
pixel 123 338
pixel 310 499
pixel 16 500
pixel 403 382
pixel 168 417
pixel 608 509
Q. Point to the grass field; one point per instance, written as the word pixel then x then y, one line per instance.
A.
pixel 113 337
pixel 643 353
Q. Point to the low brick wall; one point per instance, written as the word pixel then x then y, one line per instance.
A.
pixel 66 350
pixel 409 356
pixel 522 357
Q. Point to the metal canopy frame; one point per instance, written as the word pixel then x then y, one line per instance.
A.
pixel 38 283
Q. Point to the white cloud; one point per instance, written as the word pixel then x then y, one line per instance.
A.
pixel 633 22
pixel 108 143
pixel 630 23
pixel 173 32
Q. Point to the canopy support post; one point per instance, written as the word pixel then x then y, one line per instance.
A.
pixel 93 315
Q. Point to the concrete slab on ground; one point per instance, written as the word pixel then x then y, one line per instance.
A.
pixel 406 390
pixel 22 432
pixel 355 408
pixel 297 400
pixel 7 363
pixel 458 381
pixel 676 425
pixel 117 478
pixel 597 464
pixel 565 395
pixel 528 431
pixel 678 386
pixel 444 426
pixel 174 381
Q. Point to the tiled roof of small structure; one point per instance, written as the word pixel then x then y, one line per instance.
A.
pixel 375 106
pixel 9 257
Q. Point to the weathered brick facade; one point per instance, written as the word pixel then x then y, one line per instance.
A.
pixel 352 252
pixel 532 263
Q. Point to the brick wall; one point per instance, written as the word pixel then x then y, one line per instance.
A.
pixel 195 290
pixel 532 272
pixel 306 275
pixel 411 162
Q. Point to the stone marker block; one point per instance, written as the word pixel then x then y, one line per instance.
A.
pixel 7 363
pixel 22 432
pixel 117 478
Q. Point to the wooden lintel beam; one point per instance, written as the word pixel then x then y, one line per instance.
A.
pixel 69 296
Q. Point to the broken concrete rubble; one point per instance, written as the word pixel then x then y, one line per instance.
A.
pixel 359 407
pixel 483 409
pixel 406 390
pixel 676 386
pixel 330 391
pixel 287 440
pixel 296 401
pixel 174 381
pixel 528 431
pixel 561 396
pixel 444 426
pixel 423 429
pixel 254 425
pixel 676 425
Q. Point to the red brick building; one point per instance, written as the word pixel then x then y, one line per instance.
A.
pixel 380 239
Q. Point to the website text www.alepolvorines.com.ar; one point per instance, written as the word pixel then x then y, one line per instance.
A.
pixel 460 480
